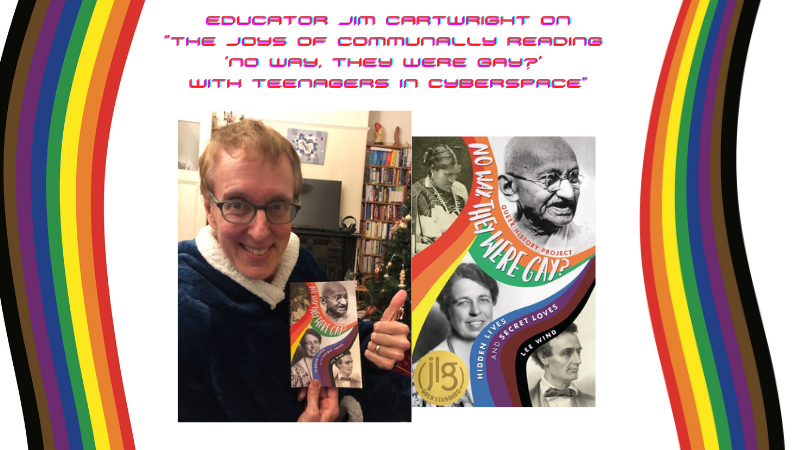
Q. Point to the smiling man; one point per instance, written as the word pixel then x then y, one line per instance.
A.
pixel 543 179
pixel 561 359
pixel 233 278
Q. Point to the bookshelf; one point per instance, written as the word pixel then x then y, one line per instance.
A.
pixel 387 179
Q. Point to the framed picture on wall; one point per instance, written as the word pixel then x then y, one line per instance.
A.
pixel 309 144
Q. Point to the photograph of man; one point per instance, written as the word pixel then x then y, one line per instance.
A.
pixel 301 370
pixel 561 359
pixel 234 360
pixel 543 179
pixel 335 301
pixel 346 378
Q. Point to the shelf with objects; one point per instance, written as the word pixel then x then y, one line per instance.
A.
pixel 228 117
pixel 387 181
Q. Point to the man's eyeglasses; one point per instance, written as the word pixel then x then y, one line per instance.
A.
pixel 242 212
pixel 337 297
pixel 552 182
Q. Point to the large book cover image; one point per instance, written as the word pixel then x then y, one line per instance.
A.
pixel 504 271
pixel 324 334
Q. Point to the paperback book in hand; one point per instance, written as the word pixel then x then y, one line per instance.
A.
pixel 324 334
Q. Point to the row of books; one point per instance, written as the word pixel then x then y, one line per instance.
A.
pixel 389 157
pixel 382 212
pixel 386 176
pixel 374 193
pixel 368 263
pixel 376 229
pixel 371 247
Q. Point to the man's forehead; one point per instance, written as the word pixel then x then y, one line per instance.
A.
pixel 236 176
pixel 540 154
pixel 333 288
pixel 568 340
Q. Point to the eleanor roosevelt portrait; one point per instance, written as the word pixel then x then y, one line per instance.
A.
pixel 466 303
pixel 301 370
pixel 545 180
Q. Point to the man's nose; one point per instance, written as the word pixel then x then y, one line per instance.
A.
pixel 260 226
pixel 565 190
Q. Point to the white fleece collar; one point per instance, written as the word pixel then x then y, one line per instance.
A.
pixel 272 293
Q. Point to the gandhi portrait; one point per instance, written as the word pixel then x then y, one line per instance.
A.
pixel 543 179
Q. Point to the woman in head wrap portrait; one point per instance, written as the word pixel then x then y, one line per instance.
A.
pixel 438 198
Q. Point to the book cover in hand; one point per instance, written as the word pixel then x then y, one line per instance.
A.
pixel 504 271
pixel 324 334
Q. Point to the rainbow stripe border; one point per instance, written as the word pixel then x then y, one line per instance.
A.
pixel 61 68
pixel 703 308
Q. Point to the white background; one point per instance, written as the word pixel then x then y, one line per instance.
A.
pixel 614 105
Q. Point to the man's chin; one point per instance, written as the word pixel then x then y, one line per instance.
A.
pixel 260 272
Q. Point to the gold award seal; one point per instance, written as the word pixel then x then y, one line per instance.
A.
pixel 441 378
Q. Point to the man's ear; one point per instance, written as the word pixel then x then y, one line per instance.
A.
pixel 508 187
pixel 209 216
